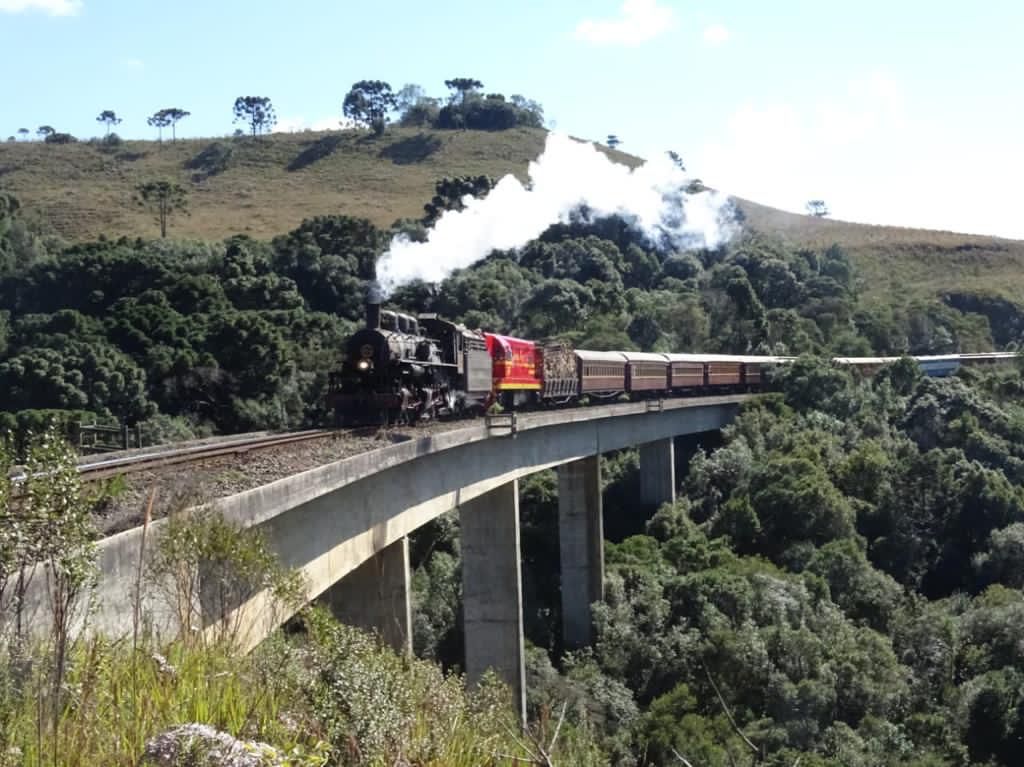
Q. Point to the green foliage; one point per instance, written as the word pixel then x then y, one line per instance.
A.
pixel 76 375
pixel 159 120
pixel 59 138
pixel 328 257
pixel 416 108
pixel 368 102
pixel 220 334
pixel 210 570
pixel 376 707
pixel 109 118
pixel 450 193
pixel 462 88
pixel 46 533
pixel 19 427
pixel 125 696
pixel 467 109
pixel 213 160
pixel 255 111
pixel 163 199
pixel 170 116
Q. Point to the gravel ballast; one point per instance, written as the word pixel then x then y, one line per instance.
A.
pixel 185 485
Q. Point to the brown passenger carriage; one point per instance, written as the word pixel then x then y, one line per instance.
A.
pixel 646 372
pixel 600 372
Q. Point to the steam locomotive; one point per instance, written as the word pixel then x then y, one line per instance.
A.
pixel 403 369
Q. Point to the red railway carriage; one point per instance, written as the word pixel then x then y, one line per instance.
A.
pixel 514 363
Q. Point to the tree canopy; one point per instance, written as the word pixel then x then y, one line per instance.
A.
pixel 170 116
pixel 257 112
pixel 164 199
pixel 462 88
pixel 109 118
pixel 369 102
pixel 159 120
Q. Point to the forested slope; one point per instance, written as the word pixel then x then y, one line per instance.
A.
pixel 839 585
pixel 192 336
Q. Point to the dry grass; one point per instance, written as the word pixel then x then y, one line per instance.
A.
pixel 83 191
pixel 896 263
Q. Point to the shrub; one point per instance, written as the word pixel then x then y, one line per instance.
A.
pixel 60 138
pixel 211 571
pixel 214 159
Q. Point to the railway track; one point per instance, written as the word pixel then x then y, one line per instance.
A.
pixel 101 468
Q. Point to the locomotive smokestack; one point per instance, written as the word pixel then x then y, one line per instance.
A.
pixel 374 298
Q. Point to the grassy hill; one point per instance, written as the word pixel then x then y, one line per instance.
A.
pixel 267 187
pixel 895 263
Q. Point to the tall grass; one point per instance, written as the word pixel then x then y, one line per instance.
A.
pixel 336 691
pixel 115 699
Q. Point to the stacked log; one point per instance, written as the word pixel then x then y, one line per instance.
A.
pixel 559 362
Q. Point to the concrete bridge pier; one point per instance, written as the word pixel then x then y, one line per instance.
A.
pixel 492 589
pixel 658 472
pixel 377 596
pixel 580 540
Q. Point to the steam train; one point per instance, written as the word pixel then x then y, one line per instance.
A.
pixel 403 369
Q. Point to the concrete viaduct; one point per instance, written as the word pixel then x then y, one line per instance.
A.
pixel 345 525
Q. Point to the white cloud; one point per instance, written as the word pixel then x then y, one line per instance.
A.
pixel 716 34
pixel 639 21
pixel 871 160
pixel 52 7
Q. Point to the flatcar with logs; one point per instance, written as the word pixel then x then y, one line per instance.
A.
pixel 404 369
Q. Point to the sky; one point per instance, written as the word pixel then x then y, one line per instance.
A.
pixel 903 113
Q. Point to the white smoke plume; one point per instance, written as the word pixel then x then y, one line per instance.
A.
pixel 567 175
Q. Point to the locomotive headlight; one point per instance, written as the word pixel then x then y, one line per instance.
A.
pixel 363 365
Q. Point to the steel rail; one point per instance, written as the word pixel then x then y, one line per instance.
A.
pixel 102 469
